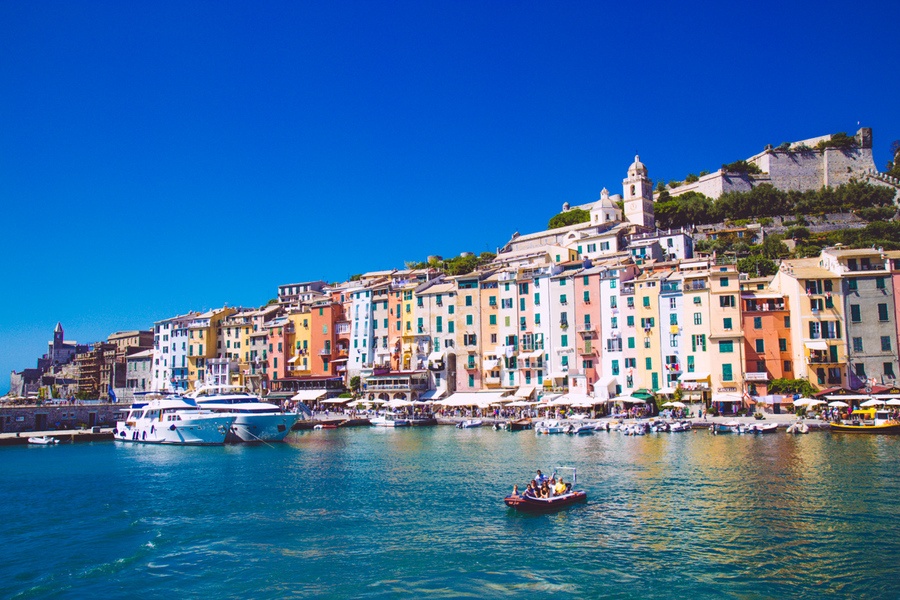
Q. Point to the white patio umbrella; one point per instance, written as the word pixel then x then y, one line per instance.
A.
pixel 668 404
pixel 812 403
pixel 838 404
pixel 398 403
pixel 872 402
pixel 803 401
pixel 893 402
pixel 677 404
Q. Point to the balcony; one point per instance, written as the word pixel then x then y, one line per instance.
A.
pixel 470 366
pixel 586 328
pixel 627 289
pixel 587 351
pixel 436 365
pixel 696 285
pixel 325 351
pixel 669 288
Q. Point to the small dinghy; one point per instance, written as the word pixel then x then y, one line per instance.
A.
pixel 44 440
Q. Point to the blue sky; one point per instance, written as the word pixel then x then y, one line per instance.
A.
pixel 167 156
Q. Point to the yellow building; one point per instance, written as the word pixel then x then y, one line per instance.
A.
pixel 205 343
pixel 299 362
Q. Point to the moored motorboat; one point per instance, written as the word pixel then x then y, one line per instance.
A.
pixel 255 420
pixel 43 440
pixel 552 426
pixel 798 427
pixel 762 428
pixel 868 421
pixel 520 424
pixel 173 420
pixel 469 424
pixel 390 420
pixel 581 429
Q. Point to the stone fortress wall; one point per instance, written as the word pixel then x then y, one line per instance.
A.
pixel 801 167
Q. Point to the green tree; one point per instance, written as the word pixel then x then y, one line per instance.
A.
pixel 354 384
pixel 791 386
pixel 569 217
pixel 774 248
pixel 893 166
pixel 757 266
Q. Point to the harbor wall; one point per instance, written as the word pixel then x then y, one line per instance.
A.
pixel 51 417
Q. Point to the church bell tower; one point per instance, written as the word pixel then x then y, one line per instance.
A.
pixel 638 195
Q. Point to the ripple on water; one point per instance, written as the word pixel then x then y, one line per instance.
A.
pixel 366 513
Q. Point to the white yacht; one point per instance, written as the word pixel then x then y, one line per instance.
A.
pixel 172 420
pixel 255 420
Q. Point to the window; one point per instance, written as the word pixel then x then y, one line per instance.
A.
pixel 879 283
pixel 885 343
pixel 860 370
pixel 760 346
pixel 726 372
pixel 537 319
pixel 852 285
pixel 629 302
pixel 468 300
pixel 587 297
pixel 815 330
pixel 690 364
pixel 564 340
pixel 673 319
pixel 816 304
pixel 698 318
pixel 726 346
pixel 787 322
pixel 631 342
pixel 630 363
pixel 757 322
pixel 723 282
pixel 855 316
pixel 726 301
pixel 629 320
pixel 614 322
pixel 562 299
pixel 648 363
pixel 613 301
pixel 782 344
pixel 537 299
pixel 882 312
pixel 857 344
pixel 615 367
pixel 646 301
pixel 698 341
pixel 492 319
pixel 787 366
pixel 889 370
pixel 726 323
pixel 469 319
pixel 521 303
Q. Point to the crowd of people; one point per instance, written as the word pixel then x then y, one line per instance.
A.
pixel 544 487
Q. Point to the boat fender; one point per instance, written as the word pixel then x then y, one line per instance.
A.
pixel 172 427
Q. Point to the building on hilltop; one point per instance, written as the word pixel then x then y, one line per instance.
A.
pixel 800 166
pixel 604 234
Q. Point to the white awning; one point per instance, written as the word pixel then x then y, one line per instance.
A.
pixel 823 346
pixel 435 356
pixel 339 360
pixel 666 390
pixel 433 394
pixel 733 398
pixel 304 395
pixel 524 392
pixel 490 365
pixel 482 399
pixel 295 359
pixel 575 400
pixel 558 375
pixel 335 400
pixel 699 376
pixel 853 397
pixel 535 354
pixel 628 400
pixel 604 383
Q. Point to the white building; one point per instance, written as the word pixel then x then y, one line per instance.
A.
pixel 170 350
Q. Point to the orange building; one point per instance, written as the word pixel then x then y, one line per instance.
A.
pixel 767 336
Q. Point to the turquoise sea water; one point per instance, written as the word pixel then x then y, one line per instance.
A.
pixel 380 513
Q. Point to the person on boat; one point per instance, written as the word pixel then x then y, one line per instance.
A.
pixel 560 488
pixel 515 491
pixel 530 491
pixel 545 490
pixel 541 478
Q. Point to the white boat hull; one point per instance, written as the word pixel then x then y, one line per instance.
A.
pixel 261 427
pixel 201 430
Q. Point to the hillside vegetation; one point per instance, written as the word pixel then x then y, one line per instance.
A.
pixel 868 201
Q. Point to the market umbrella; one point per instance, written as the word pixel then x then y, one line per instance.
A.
pixel 838 404
pixel 803 401
pixel 893 402
pixel 668 404
pixel 811 403
pixel 872 402
pixel 677 404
